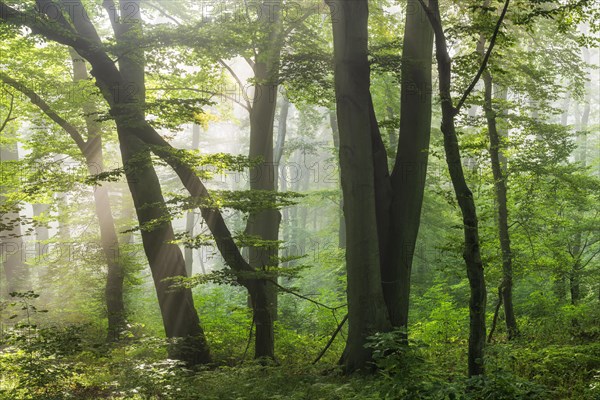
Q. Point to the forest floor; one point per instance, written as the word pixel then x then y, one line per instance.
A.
pixel 55 366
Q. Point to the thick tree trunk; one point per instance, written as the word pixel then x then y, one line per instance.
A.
pixel 180 319
pixel 179 315
pixel 264 224
pixel 410 169
pixel 367 312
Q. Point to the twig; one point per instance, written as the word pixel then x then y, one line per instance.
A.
pixel 495 320
pixel 330 342
pixel 10 111
pixel 290 291
pixel 249 340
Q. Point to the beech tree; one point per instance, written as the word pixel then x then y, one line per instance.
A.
pixel 381 210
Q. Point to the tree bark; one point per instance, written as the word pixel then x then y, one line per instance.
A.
pixel 42 234
pixel 131 125
pixel 499 175
pixel 336 143
pixel 179 315
pixel 264 224
pixel 464 196
pixel 190 215
pixel 367 312
pixel 410 168
pixel 581 157
pixel 18 277
pixel 108 234
pixel 498 162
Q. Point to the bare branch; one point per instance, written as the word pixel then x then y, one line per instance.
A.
pixel 485 59
pixel 247 107
pixel 237 79
pixel 46 109
pixel 164 13
pixel 10 111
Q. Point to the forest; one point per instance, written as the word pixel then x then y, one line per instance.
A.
pixel 300 199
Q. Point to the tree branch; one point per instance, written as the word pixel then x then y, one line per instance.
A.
pixel 164 13
pixel 206 92
pixel 297 23
pixel 46 109
pixel 485 59
pixel 330 342
pixel 44 27
pixel 238 80
pixel 10 110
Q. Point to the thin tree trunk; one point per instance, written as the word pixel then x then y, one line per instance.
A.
pixel 581 156
pixel 191 216
pixel 336 143
pixel 12 252
pixel 499 173
pixel 280 171
pixel 42 234
pixel 464 196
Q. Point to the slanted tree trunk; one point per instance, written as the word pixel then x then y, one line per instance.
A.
pixel 179 315
pixel 367 312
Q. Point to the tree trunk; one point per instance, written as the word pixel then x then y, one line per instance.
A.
pixel 190 215
pixel 367 312
pixel 581 156
pixel 180 319
pixel 264 224
pixel 410 169
pixel 42 234
pixel 12 252
pixel 336 143
pixel 499 175
pixel 108 234
pixel 464 196
pixel 498 162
